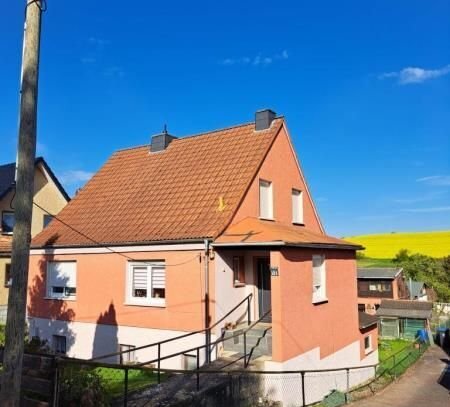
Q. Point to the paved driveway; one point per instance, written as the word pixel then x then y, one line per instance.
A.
pixel 426 384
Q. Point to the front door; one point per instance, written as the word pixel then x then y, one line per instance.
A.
pixel 264 294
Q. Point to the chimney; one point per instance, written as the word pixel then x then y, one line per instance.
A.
pixel 161 141
pixel 264 119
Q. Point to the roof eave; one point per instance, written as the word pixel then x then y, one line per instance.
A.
pixel 287 244
pixel 121 244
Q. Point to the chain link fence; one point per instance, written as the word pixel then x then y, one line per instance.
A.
pixel 94 384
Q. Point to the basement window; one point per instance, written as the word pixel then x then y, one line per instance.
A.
pixel 59 344
pixel 129 356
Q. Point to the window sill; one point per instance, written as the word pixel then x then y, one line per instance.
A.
pixel 237 285
pixel 298 223
pixel 368 351
pixel 60 298
pixel 7 233
pixel 269 219
pixel 145 304
pixel 318 301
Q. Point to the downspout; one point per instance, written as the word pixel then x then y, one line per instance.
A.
pixel 207 332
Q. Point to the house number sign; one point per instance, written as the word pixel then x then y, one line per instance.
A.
pixel 274 271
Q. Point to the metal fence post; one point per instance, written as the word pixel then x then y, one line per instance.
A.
pixel 394 366
pixel 248 311
pixel 125 395
pixel 198 367
pixel 348 385
pixel 245 349
pixel 303 389
pixel 56 385
pixel 159 363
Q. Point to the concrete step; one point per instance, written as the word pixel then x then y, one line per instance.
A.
pixel 259 338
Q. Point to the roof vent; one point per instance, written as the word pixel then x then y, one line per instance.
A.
pixel 264 119
pixel 161 141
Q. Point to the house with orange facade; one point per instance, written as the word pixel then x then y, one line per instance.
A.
pixel 209 230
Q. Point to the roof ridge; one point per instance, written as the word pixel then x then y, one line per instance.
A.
pixel 204 133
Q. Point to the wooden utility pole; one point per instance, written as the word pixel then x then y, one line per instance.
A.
pixel 23 203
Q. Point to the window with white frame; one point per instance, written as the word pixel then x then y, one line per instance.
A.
pixel 297 206
pixel 129 355
pixel 368 344
pixel 319 278
pixel 62 279
pixel 146 284
pixel 265 200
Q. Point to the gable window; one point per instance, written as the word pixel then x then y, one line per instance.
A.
pixel 238 270
pixel 8 221
pixel 129 356
pixel 47 220
pixel 265 200
pixel 59 344
pixel 146 284
pixel 297 206
pixel 62 279
pixel 319 278
pixel 8 279
pixel 368 344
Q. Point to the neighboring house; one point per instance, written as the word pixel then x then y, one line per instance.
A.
pixel 48 193
pixel 375 284
pixel 403 318
pixel 167 238
pixel 420 291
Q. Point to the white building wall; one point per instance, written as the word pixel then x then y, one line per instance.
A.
pixel 88 340
pixel 228 296
pixel 287 387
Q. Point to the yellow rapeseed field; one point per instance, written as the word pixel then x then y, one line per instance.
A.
pixel 386 246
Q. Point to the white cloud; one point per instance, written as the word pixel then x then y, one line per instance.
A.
pixel 74 177
pixel 435 180
pixel 257 60
pixel 416 75
pixel 428 210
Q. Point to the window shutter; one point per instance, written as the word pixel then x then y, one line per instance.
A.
pixel 265 200
pixel 317 276
pixel 140 278
pixel 158 277
pixel 62 274
pixel 297 206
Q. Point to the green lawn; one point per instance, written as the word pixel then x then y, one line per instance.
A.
pixel 396 355
pixel 114 379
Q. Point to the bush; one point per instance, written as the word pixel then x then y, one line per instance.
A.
pixel 81 386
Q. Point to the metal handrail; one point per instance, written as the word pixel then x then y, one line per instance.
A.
pixel 204 330
pixel 197 350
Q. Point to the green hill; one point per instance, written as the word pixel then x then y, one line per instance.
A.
pixel 383 247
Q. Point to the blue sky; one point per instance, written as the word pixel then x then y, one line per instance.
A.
pixel 365 88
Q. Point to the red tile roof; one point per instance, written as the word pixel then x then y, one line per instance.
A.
pixel 189 191
pixel 5 244
pixel 252 231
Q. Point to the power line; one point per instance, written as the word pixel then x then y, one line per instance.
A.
pixel 99 244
